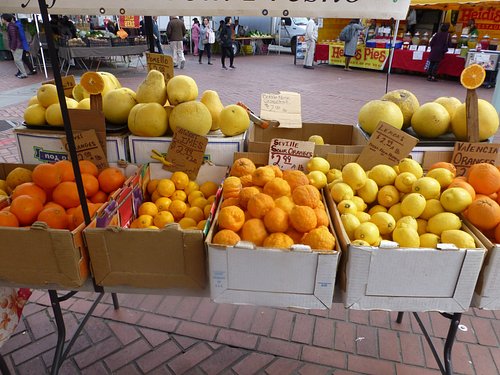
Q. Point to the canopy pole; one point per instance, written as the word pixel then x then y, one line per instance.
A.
pixel 35 17
pixel 391 55
pixel 496 94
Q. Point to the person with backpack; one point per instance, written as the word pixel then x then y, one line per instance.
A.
pixel 311 37
pixel 26 49
pixel 349 35
pixel 226 43
pixel 15 43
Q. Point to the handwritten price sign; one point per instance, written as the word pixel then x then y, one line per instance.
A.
pixel 467 154
pixel 288 154
pixel 186 152
pixel 162 63
pixel 284 107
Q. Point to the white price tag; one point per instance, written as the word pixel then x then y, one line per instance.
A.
pixel 289 154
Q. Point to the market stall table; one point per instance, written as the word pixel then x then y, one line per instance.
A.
pixel 68 53
pixel 257 43
pixel 451 65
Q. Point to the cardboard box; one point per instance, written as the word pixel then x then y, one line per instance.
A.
pixel 487 293
pixel 338 138
pixel 153 259
pixel 404 279
pixel 40 257
pixel 220 149
pixel 42 146
pixel 245 274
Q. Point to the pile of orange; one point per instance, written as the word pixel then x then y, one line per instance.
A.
pixel 52 195
pixel 271 208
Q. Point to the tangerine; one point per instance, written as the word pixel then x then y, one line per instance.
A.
pixel 26 208
pixel 277 187
pixel 226 237
pixel 8 219
pixel 303 218
pixel 259 205
pixel 111 179
pixel 295 178
pixel 54 217
pixel 86 166
pixel 306 195
pixel 276 220
pixel 99 197
pixel 66 170
pixel 47 176
pixel 245 195
pixel 66 194
pixel 242 167
pixel 279 241
pixel 90 183
pixel 31 189
pixel 254 231
pixel 262 175
pixel 232 218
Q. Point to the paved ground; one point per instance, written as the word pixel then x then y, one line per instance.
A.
pixel 191 335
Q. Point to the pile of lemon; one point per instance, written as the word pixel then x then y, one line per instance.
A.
pixel 400 204
pixel 176 200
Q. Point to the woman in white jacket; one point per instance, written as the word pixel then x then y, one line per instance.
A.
pixel 311 37
pixel 204 43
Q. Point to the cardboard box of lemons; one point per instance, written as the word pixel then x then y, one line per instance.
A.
pixel 148 120
pixel 193 116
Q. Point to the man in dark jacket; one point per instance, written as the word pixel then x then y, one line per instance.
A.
pixel 175 32
pixel 439 46
pixel 226 43
pixel 15 43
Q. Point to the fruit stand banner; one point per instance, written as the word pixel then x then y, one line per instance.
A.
pixel 368 58
pixel 380 9
pixel 129 22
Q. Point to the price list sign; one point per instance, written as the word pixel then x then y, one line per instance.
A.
pixel 186 152
pixel 387 145
pixel 289 154
pixel 68 83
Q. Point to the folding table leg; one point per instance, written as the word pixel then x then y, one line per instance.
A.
pixel 4 369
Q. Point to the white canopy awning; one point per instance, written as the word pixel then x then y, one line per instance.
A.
pixel 380 9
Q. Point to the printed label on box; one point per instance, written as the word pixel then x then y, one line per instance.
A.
pixel 289 154
pixel 466 154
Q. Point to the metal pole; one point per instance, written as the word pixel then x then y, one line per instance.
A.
pixel 391 55
pixel 35 17
pixel 496 94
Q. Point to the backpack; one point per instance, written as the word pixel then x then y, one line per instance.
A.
pixel 346 34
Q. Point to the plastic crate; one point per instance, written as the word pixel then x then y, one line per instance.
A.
pixel 99 42
pixel 119 42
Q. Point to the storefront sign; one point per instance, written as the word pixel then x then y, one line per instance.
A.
pixel 368 58
pixel 486 19
pixel 131 22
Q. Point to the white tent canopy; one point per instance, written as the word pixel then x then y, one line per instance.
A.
pixel 379 9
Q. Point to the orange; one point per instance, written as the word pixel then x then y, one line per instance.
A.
pixel 285 203
pixel 276 220
pixel 187 223
pixel 66 169
pixel 231 187
pixel 152 184
pixel 77 215
pixel 177 209
pixel 242 167
pixel 259 205
pixel 195 213
pixel 208 188
pixel 230 202
pixel 277 171
pixel 473 76
pixel 47 176
pixel 295 235
pixel 295 178
pixel 66 194
pixel 90 183
pixel 31 189
pixel 8 219
pixel 111 179
pixel 245 195
pixel 99 197
pixel 163 203
pixel 321 216
pixel 231 218
pixel 484 178
pixel 246 180
pixel 56 218
pixel 319 239
pixel 306 195
pixel 26 208
pixel 92 82
pixel 52 205
pixel 484 213
pixel 303 218
pixel 86 166
pixel 277 187
pixel 263 175
pixel 254 231
pixel 278 240
pixel 226 237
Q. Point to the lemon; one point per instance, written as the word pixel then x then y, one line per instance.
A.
pixel 191 186
pixel 432 207
pixel 382 175
pixel 421 226
pixel 354 175
pixel 195 213
pixel 404 182
pixel 317 179
pixel 384 222
pixel 3 193
pixel 459 238
pixel 208 188
pixel 152 185
pixel 388 196
pixel 318 164
pixel 363 216
pixel 377 241
pixel 341 191
pixel 347 207
pixel 455 199
pixel 360 203
pixel 180 179
pixel 148 208
pixel 179 195
pixel 411 166
pixel 407 222
pixel 333 174
pixel 360 243
pixel 406 237
pixel 155 196
pixel 165 187
pixel 369 191
pixel 178 209
pixel 396 169
pixel 350 223
pixel 3 185
pixel 395 211
pixel 317 139
pixel 413 205
pixel 443 221
pixel 429 240
pixel 428 187
pixel 144 221
pixel 442 175
pixel 377 208
pixel 195 194
pixel 187 222
pixel 163 218
pixel 367 232
pixel 163 203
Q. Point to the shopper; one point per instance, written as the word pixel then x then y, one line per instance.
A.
pixel 15 44
pixel 175 32
pixel 226 44
pixel 156 34
pixel 26 49
pixel 207 38
pixel 411 21
pixel 311 38
pixel 195 35
pixel 351 42
pixel 439 46
pixel 470 29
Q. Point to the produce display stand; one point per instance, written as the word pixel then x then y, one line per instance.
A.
pixel 368 9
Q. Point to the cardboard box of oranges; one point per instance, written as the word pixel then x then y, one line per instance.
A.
pixel 153 236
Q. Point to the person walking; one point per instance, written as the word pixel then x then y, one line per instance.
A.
pixel 207 37
pixel 311 37
pixel 175 32
pixel 156 34
pixel 26 49
pixel 226 43
pixel 351 42
pixel 15 44
pixel 439 46
pixel 195 35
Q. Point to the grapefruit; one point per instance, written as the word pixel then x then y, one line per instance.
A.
pixel 488 121
pixel 375 111
pixel 431 120
pixel 406 101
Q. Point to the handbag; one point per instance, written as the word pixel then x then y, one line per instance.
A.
pixel 211 36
